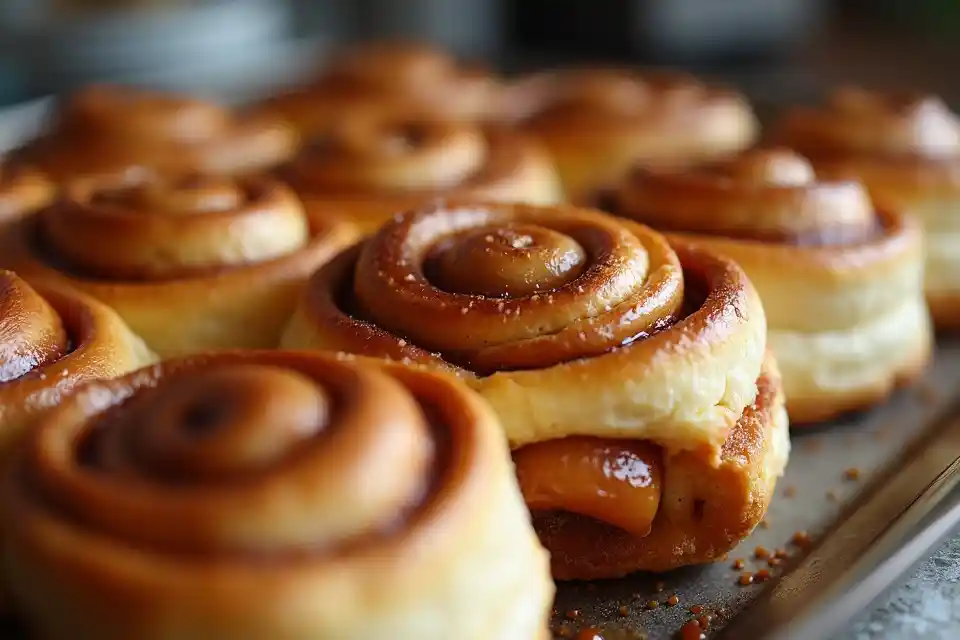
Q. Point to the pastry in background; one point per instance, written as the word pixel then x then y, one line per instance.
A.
pixel 373 164
pixel 598 123
pixel 906 150
pixel 601 348
pixel 322 498
pixel 23 190
pixel 51 340
pixel 414 75
pixel 841 280
pixel 191 263
pixel 104 130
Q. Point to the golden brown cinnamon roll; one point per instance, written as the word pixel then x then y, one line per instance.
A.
pixel 51 340
pixel 22 191
pixel 906 150
pixel 104 130
pixel 271 495
pixel 394 74
pixel 191 263
pixel 374 164
pixel 598 344
pixel 598 123
pixel 841 281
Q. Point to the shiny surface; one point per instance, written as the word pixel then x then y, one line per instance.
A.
pixel 618 482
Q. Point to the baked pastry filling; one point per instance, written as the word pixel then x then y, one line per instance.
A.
pixel 614 481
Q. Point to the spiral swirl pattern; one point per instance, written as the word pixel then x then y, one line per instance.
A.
pixel 906 150
pixel 840 279
pixel 325 499
pixel 52 340
pixel 22 191
pixel 224 256
pixel 373 164
pixel 392 75
pixel 532 303
pixel 105 130
pixel 597 123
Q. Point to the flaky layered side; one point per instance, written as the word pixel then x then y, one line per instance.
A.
pixel 597 123
pixel 105 130
pixel 325 499
pixel 906 150
pixel 190 263
pixel 372 164
pixel 841 281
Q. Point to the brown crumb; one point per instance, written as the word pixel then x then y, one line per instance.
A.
pixel 573 614
pixel 589 633
pixel 761 553
pixel 781 553
pixel 852 474
pixel 659 586
pixel 789 491
pixel 724 557
pixel 774 562
pixel 745 578
pixel 691 631
pixel 652 604
pixel 801 539
pixel 673 600
pixel 704 621
pixel 738 564
pixel 624 611
pixel 696 609
pixel 761 576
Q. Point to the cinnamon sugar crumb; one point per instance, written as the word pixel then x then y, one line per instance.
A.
pixel 673 600
pixel 761 553
pixel 774 562
pixel 738 564
pixel 745 579
pixel 573 614
pixel 801 539
pixel 852 474
pixel 696 609
pixel 624 611
pixel 761 576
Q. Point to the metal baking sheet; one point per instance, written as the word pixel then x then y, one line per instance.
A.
pixel 828 467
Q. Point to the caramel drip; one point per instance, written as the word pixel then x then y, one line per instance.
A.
pixel 859 121
pixel 618 482
pixel 767 195
pixel 32 334
pixel 145 227
pixel 497 287
pixel 262 453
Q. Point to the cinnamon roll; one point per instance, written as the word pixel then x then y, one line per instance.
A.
pixel 22 191
pixel 51 340
pixel 373 164
pixel 104 130
pixel 598 123
pixel 630 376
pixel 906 150
pixel 841 281
pixel 271 495
pixel 190 263
pixel 390 73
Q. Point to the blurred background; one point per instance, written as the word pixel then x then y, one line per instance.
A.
pixel 775 50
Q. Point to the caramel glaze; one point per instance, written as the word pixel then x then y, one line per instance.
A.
pixel 408 255
pixel 721 512
pixel 120 462
pixel 763 195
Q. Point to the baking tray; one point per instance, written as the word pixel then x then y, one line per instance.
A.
pixel 831 468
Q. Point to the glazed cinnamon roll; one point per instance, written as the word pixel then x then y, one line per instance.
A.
pixel 629 375
pixel 841 281
pixel 598 123
pixel 906 150
pixel 394 74
pixel 22 191
pixel 105 130
pixel 374 164
pixel 273 495
pixel 51 340
pixel 190 263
